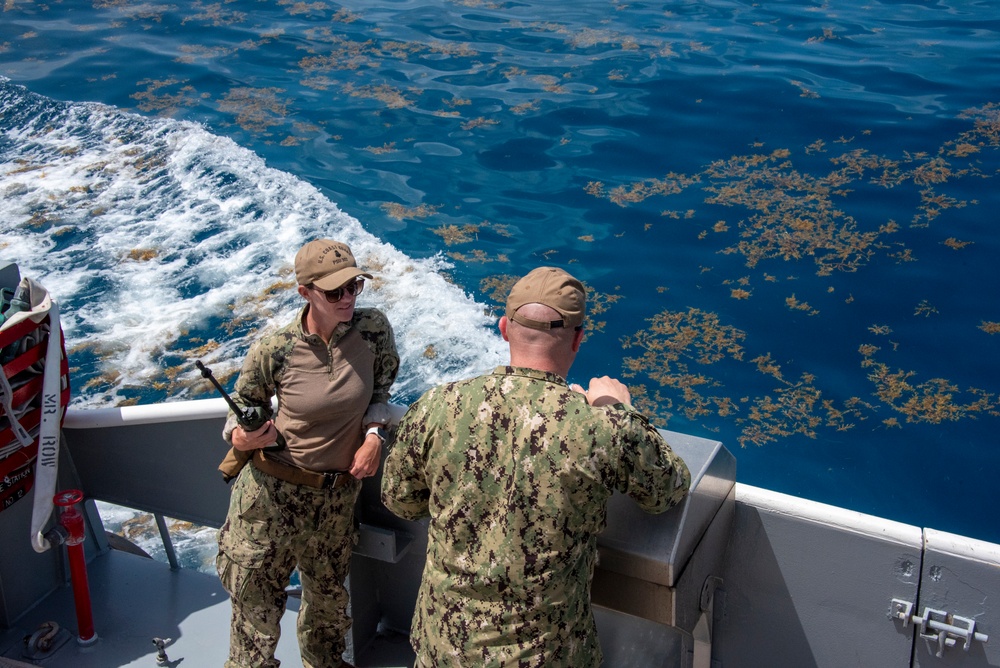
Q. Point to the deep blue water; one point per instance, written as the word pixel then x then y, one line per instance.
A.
pixel 785 211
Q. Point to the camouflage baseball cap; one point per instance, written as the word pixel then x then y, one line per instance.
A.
pixel 326 264
pixel 554 288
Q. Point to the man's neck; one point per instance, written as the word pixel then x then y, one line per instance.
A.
pixel 540 363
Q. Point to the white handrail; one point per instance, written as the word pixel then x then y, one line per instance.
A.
pixel 172 411
pixel 175 411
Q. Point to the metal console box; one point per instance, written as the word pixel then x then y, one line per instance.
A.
pixel 656 577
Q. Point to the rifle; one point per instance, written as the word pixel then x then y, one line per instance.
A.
pixel 251 418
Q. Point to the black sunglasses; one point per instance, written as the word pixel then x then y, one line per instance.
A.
pixel 335 295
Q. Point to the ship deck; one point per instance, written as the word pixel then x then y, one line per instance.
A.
pixel 136 599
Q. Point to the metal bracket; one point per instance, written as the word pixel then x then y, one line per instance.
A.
pixel 712 583
pixel 938 625
pixel 44 642
pixel 703 628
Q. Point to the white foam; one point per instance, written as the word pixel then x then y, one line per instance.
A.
pixel 219 229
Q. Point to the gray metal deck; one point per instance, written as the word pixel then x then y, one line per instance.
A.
pixel 136 599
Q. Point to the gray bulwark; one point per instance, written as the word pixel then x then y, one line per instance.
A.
pixel 954 619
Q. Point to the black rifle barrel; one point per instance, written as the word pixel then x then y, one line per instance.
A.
pixel 207 373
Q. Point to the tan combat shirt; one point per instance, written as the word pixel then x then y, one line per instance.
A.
pixel 326 393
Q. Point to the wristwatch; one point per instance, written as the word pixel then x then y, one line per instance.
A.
pixel 378 431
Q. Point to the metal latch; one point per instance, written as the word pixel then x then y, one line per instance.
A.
pixel 938 625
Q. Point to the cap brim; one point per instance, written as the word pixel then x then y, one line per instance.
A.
pixel 339 278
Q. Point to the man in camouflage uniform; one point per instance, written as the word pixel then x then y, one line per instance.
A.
pixel 331 369
pixel 515 469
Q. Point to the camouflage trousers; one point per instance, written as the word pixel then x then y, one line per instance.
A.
pixel 272 527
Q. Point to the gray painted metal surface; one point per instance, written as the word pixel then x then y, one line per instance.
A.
pixel 643 558
pixel 741 576
pixel 960 581
pixel 167 467
pixel 810 585
pixel 136 600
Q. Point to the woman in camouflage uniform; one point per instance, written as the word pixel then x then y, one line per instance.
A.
pixel 331 369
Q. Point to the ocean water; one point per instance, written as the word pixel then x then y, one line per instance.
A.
pixel 785 212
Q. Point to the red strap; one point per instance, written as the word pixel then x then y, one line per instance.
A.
pixel 29 421
pixel 26 392
pixel 29 391
pixel 15 332
pixel 30 356
pixel 33 418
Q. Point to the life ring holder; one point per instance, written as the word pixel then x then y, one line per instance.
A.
pixel 25 385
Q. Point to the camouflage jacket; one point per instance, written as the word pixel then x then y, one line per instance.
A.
pixel 515 470
pixel 326 392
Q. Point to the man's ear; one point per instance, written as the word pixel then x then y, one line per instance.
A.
pixel 577 340
pixel 303 291
pixel 502 325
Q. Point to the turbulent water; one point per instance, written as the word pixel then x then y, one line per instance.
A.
pixel 784 211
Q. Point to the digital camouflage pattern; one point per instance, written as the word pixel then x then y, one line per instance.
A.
pixel 515 470
pixel 273 526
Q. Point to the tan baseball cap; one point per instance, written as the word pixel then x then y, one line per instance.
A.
pixel 554 288
pixel 326 264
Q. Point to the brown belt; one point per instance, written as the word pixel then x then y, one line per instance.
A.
pixel 299 476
